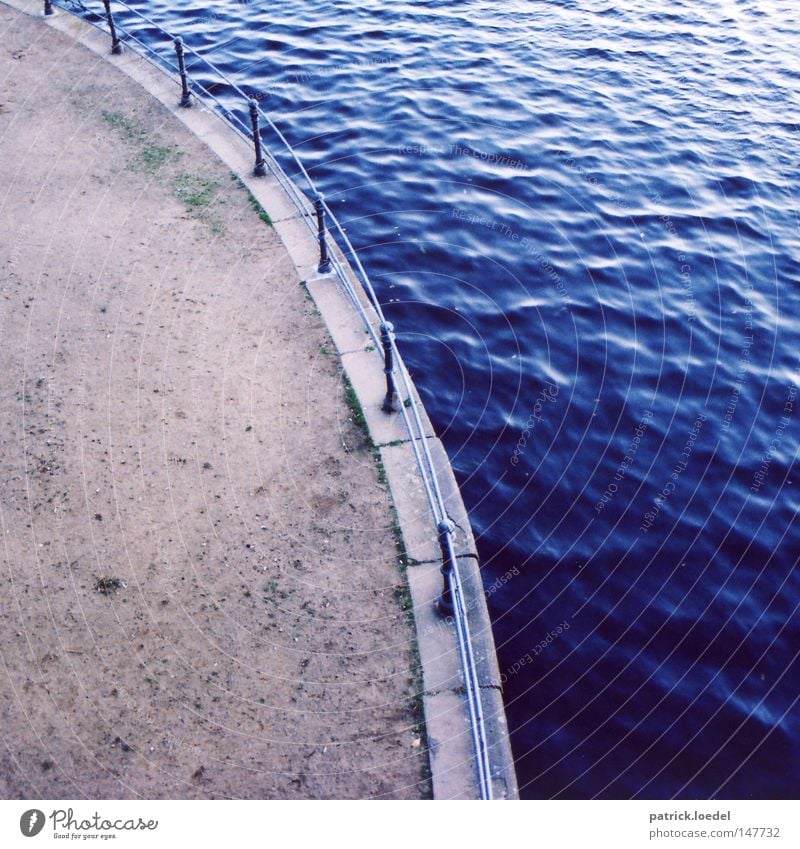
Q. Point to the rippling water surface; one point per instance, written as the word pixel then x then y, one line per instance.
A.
pixel 582 218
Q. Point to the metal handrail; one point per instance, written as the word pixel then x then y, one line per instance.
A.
pixel 409 409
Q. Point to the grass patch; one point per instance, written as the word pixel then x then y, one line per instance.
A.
pixel 380 468
pixel 152 155
pixel 127 127
pixel 403 596
pixel 416 704
pixel 198 195
pixel 304 287
pixel 356 410
pixel 310 299
pixel 259 210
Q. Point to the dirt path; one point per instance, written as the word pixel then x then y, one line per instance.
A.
pixel 200 593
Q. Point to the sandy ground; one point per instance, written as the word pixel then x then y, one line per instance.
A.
pixel 200 594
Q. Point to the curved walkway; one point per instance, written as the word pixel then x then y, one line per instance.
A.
pixel 200 593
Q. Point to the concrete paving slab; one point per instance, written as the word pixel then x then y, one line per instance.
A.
pixel 450 746
pixel 411 502
pixel 344 322
pixel 300 243
pixel 464 538
pixel 413 512
pixel 365 370
pixel 480 626
pixel 436 636
pixel 501 759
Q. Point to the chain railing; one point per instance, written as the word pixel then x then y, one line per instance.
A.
pixel 398 381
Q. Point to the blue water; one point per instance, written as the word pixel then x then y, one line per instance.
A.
pixel 582 217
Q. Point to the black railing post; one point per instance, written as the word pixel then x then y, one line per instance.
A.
pixel 324 260
pixel 48 7
pixel 116 44
pixel 390 404
pixel 186 97
pixel 445 602
pixel 260 168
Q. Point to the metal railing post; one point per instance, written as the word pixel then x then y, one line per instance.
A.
pixel 445 602
pixel 116 44
pixel 390 403
pixel 260 168
pixel 48 7
pixel 186 97
pixel 324 260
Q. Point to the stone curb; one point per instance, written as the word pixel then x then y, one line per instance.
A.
pixel 445 706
